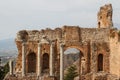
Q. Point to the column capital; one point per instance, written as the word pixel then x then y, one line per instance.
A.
pixel 62 45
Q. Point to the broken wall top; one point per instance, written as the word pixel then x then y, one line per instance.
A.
pixel 66 33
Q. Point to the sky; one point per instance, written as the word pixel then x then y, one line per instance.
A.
pixel 18 15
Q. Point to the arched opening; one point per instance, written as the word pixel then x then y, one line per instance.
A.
pixel 73 58
pixel 45 63
pixel 31 62
pixel 100 62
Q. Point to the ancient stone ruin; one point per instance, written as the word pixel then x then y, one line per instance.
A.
pixel 40 53
pixel 105 16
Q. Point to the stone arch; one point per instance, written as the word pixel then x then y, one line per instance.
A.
pixel 31 62
pixel 45 63
pixel 100 62
pixel 76 47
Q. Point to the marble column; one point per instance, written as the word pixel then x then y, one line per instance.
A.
pixel 11 67
pixel 61 62
pixel 23 59
pixel 51 59
pixel 39 60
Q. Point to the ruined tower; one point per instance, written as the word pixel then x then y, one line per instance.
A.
pixel 105 16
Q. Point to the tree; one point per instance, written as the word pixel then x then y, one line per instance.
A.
pixel 71 73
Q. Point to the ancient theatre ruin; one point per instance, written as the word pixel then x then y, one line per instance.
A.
pixel 40 53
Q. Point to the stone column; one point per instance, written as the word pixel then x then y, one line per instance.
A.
pixel 61 62
pixel 23 59
pixel 51 59
pixel 83 65
pixel 39 60
pixel 11 67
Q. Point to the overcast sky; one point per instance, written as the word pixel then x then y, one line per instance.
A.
pixel 17 15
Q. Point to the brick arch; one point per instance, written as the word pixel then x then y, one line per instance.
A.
pixel 76 47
